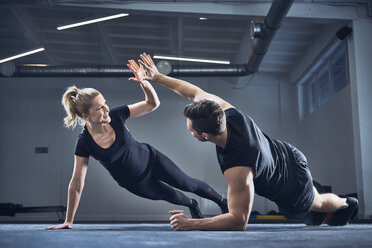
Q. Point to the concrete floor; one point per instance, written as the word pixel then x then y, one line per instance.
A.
pixel 160 235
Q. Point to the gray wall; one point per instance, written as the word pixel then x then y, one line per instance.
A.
pixel 326 137
pixel 337 137
pixel 32 116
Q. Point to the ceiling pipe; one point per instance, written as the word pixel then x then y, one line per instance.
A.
pixel 208 70
pixel 262 33
pixel 118 71
pixel 72 71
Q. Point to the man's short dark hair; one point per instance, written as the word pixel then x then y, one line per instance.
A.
pixel 207 117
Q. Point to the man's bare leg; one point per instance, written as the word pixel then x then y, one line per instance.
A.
pixel 342 209
pixel 327 203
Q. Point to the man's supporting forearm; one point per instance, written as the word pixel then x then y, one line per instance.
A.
pixel 223 222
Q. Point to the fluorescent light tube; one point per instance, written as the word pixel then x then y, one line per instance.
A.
pixel 192 60
pixel 92 21
pixel 40 65
pixel 22 54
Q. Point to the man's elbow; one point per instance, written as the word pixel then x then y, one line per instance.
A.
pixel 240 223
pixel 237 227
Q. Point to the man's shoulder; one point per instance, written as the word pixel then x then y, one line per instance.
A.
pixel 233 113
pixel 238 120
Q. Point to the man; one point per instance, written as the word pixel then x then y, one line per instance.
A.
pixel 251 162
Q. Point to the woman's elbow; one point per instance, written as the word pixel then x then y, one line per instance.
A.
pixel 157 104
pixel 154 105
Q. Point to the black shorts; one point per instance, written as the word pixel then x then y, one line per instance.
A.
pixel 300 199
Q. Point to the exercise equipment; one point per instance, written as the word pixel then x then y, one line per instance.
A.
pixel 11 209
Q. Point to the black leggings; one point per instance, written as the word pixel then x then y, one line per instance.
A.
pixel 165 175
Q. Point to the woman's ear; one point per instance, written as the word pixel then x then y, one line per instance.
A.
pixel 85 117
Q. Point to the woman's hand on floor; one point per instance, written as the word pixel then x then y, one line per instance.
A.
pixel 61 226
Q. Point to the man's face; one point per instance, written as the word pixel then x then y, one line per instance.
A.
pixel 193 132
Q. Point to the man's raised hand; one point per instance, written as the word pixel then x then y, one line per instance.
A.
pixel 151 71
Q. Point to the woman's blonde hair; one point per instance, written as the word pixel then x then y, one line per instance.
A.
pixel 77 102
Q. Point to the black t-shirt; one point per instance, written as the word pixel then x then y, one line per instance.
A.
pixel 127 160
pixel 272 160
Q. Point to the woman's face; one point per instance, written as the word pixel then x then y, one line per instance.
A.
pixel 99 111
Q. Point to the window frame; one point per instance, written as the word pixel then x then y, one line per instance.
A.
pixel 315 70
pixel 346 59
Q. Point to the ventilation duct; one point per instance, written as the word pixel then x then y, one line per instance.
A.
pixel 262 33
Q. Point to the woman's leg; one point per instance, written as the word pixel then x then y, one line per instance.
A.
pixel 153 189
pixel 168 172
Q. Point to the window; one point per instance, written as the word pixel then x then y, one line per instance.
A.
pixel 323 85
pixel 310 97
pixel 338 70
pixel 326 80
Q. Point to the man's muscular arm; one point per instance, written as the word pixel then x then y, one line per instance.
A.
pixel 181 87
pixel 240 200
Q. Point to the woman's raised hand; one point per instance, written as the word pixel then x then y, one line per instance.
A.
pixel 138 71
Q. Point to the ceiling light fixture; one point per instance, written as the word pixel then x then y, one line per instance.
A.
pixel 192 59
pixel 203 18
pixel 22 54
pixel 91 21
pixel 39 65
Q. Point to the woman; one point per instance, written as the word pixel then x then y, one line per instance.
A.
pixel 138 167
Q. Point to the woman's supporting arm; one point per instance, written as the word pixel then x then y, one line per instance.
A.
pixel 75 190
